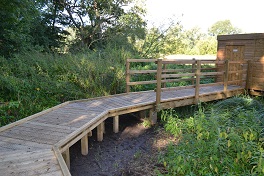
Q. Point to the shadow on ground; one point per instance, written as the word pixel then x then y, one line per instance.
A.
pixel 114 155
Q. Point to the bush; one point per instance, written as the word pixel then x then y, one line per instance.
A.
pixel 225 139
pixel 34 81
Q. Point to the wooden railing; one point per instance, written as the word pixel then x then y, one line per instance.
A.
pixel 194 72
pixel 129 73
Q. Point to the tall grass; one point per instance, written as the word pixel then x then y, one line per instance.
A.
pixel 225 138
pixel 34 81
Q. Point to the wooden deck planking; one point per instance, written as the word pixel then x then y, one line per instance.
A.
pixel 7 146
pixel 115 102
pixel 49 127
pixel 33 163
pixel 187 93
pixel 41 131
pixel 64 126
pixel 66 119
pixel 24 143
pixel 34 133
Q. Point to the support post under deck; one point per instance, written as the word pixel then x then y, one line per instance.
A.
pixel 153 115
pixel 66 157
pixel 116 124
pixel 142 114
pixel 84 145
pixel 100 132
pixel 90 133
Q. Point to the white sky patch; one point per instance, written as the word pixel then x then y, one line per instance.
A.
pixel 244 14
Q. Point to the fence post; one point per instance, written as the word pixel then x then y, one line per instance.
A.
pixel 193 71
pixel 226 75
pixel 197 84
pixel 127 76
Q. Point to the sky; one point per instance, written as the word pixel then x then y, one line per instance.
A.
pixel 247 15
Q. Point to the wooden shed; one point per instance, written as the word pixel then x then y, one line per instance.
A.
pixel 245 47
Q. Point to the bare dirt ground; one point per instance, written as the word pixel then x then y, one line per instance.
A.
pixel 133 151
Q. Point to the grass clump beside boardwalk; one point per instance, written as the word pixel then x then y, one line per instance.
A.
pixel 34 81
pixel 225 138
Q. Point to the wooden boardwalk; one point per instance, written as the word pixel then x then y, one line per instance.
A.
pixel 31 146
pixel 39 144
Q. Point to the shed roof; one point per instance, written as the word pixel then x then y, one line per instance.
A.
pixel 241 36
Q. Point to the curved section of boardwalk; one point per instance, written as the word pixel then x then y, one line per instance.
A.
pixel 34 145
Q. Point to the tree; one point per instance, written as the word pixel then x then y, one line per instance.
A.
pixel 207 46
pixel 92 18
pixel 16 19
pixel 175 43
pixel 27 23
pixel 223 28
pixel 152 44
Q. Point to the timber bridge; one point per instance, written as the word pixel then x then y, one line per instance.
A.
pixel 39 144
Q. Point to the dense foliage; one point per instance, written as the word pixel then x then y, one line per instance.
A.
pixel 43 24
pixel 73 25
pixel 53 51
pixel 32 82
pixel 225 138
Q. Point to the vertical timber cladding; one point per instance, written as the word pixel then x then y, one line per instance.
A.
pixel 235 53
pixel 257 73
pixel 249 47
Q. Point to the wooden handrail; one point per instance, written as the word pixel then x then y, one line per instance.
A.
pixel 176 80
pixel 176 70
pixel 141 60
pixel 142 82
pixel 193 73
pixel 177 75
pixel 178 62
pixel 174 73
pixel 131 72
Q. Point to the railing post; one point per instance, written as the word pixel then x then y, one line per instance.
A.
pixel 193 71
pixel 153 112
pixel 197 84
pixel 226 75
pixel 127 76
pixel 158 88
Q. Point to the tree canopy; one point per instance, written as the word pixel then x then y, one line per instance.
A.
pixel 43 23
pixel 72 25
pixel 223 28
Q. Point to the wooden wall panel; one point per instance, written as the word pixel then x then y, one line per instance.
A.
pixel 254 51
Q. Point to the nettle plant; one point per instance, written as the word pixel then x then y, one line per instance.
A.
pixel 225 139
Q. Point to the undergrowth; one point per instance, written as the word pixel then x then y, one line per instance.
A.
pixel 225 138
pixel 34 81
